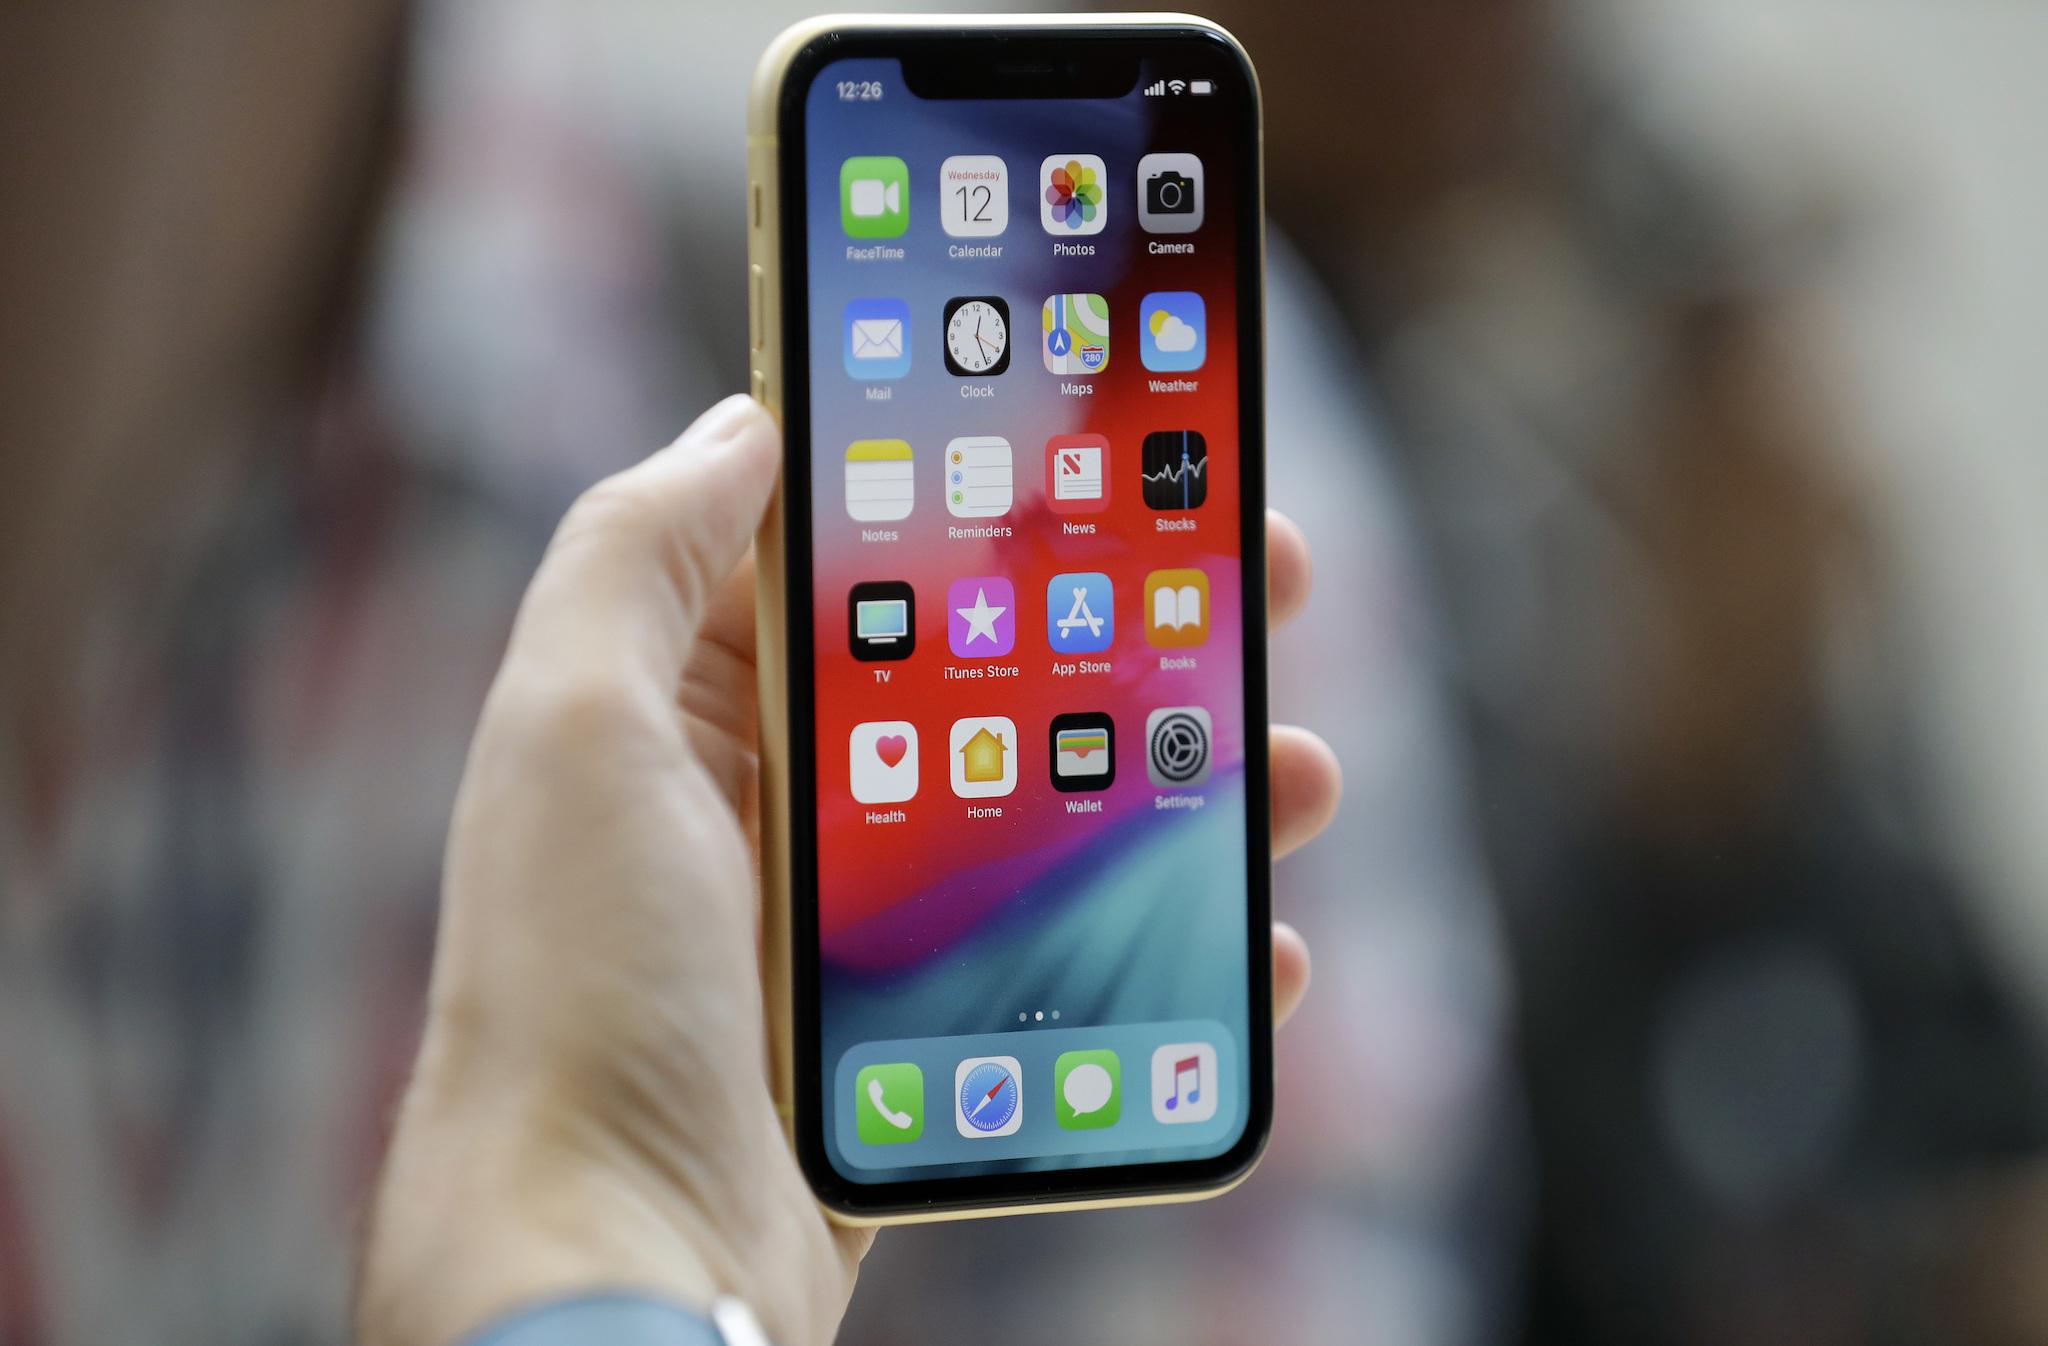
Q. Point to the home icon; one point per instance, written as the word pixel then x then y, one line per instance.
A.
pixel 981 757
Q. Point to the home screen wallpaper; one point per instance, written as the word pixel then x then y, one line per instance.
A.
pixel 1025 476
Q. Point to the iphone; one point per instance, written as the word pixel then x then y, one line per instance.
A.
pixel 1006 306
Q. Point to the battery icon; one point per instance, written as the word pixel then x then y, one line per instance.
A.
pixel 1202 86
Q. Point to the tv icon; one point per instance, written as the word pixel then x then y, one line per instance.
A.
pixel 881 620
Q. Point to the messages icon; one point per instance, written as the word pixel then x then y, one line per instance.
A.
pixel 1087 1090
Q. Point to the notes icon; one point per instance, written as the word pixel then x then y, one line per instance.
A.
pixel 879 483
pixel 979 480
pixel 1184 1082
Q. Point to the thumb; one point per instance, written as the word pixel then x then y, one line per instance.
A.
pixel 624 584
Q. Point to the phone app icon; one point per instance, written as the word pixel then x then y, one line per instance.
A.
pixel 1176 608
pixel 979 484
pixel 1073 194
pixel 1173 331
pixel 1075 330
pixel 974 196
pixel 1176 469
pixel 1077 473
pixel 1177 742
pixel 977 336
pixel 982 752
pixel 1184 1083
pixel 888 1103
pixel 882 761
pixel 877 339
pixel 1087 1090
pixel 881 620
pixel 1170 193
pixel 874 196
pixel 989 1094
pixel 981 617
pixel 880 486
pixel 1083 751
pixel 1080 613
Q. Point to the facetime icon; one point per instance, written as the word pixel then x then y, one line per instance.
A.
pixel 874 196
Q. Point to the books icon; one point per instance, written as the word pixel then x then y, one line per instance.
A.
pixel 1176 608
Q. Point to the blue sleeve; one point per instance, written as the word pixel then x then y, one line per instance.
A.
pixel 602 1320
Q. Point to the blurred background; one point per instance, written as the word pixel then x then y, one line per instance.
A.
pixel 1658 380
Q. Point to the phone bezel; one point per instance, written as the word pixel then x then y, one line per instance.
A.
pixel 1021 58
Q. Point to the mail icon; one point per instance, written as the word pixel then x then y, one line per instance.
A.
pixel 877 338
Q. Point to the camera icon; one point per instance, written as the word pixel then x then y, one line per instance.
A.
pixel 1170 193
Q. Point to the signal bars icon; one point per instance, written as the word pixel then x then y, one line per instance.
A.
pixel 1159 88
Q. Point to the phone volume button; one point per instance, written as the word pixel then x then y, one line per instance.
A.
pixel 757 308
pixel 759 387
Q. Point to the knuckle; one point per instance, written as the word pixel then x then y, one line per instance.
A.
pixel 569 713
pixel 621 515
pixel 613 509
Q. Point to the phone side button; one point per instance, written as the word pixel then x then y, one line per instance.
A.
pixel 757 307
pixel 759 387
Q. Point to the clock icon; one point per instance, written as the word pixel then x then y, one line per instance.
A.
pixel 989 1095
pixel 977 336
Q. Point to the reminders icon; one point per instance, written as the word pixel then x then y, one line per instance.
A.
pixel 979 483
pixel 879 483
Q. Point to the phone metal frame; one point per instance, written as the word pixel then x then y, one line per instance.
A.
pixel 779 340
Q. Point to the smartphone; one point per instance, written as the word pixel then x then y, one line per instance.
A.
pixel 1006 305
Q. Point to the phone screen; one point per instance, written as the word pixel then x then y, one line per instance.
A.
pixel 1034 886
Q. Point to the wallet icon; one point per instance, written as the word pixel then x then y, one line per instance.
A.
pixel 877 339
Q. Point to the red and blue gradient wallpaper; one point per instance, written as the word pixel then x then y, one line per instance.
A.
pixel 1044 907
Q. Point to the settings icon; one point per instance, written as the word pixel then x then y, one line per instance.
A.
pixel 1177 746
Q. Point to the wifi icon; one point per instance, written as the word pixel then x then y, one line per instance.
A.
pixel 1177 85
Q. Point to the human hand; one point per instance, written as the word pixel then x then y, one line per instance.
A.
pixel 591 1108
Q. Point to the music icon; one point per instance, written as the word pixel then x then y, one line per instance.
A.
pixel 1184 1083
